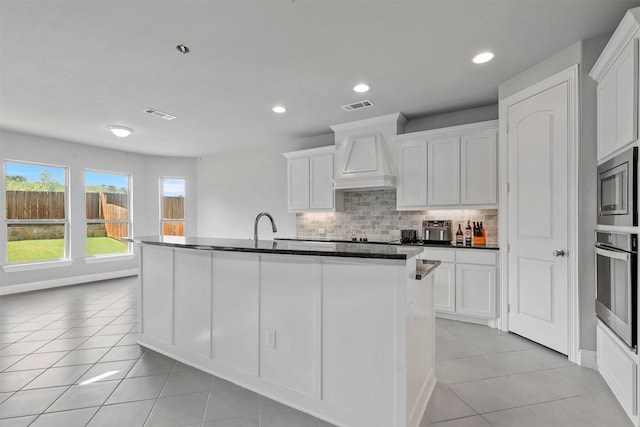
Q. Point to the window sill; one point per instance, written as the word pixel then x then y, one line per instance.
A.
pixel 109 258
pixel 37 265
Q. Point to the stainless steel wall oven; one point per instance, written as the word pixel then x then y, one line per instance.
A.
pixel 617 190
pixel 617 284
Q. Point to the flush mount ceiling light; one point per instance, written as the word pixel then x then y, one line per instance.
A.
pixel 361 88
pixel 483 57
pixel 278 109
pixel 120 131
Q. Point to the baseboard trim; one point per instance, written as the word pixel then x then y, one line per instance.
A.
pixel 65 281
pixel 587 359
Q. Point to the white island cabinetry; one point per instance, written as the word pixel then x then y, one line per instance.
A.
pixel 347 339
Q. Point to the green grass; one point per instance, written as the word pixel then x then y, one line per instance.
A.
pixel 43 250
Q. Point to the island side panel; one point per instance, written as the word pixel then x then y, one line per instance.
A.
pixel 235 312
pixel 359 342
pixel 287 307
pixel 420 327
pixel 156 293
pixel 192 302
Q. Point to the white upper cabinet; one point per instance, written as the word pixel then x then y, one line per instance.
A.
pixel 310 180
pixel 616 72
pixel 298 194
pixel 321 181
pixel 412 174
pixel 443 171
pixel 479 169
pixel 449 167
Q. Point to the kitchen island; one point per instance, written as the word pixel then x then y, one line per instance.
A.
pixel 344 332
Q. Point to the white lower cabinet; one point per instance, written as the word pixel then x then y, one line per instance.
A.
pixel 444 290
pixel 618 365
pixel 465 283
pixel 476 290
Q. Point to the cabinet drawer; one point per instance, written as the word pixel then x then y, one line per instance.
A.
pixel 443 255
pixel 476 256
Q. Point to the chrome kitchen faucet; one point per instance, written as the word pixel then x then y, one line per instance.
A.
pixel 255 225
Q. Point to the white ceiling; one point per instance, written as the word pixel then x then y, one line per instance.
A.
pixel 70 68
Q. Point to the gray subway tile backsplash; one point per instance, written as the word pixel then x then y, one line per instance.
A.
pixel 373 214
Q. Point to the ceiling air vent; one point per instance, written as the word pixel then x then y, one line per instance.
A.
pixel 160 114
pixel 358 105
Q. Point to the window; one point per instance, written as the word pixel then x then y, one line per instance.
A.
pixel 172 206
pixel 108 216
pixel 36 212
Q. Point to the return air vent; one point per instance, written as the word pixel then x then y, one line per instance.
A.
pixel 160 114
pixel 358 105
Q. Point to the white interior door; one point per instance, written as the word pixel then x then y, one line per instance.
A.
pixel 537 141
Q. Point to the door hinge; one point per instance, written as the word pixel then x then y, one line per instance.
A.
pixel 508 308
pixel 508 187
pixel 508 247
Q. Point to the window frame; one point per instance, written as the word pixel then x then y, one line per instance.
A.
pixel 161 205
pixel 46 262
pixel 129 221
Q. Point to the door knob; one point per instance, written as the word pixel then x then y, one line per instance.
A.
pixel 558 253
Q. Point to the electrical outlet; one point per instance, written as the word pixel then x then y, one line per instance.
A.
pixel 321 232
pixel 270 338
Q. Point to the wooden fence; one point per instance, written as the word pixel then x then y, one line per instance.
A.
pixel 35 205
pixel 99 206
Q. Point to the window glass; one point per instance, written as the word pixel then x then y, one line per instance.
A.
pixel 36 212
pixel 107 212
pixel 172 206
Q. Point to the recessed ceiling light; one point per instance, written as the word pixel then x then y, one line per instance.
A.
pixel 361 88
pixel 278 109
pixel 483 57
pixel 120 131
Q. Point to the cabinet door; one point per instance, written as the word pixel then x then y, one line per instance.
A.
pixel 321 173
pixel 626 96
pixel 412 175
pixel 443 172
pixel 606 115
pixel 478 169
pixel 298 185
pixel 617 100
pixel 444 290
pixel 476 290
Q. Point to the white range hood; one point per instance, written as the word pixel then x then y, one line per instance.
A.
pixel 364 158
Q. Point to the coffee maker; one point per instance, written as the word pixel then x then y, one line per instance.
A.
pixel 437 231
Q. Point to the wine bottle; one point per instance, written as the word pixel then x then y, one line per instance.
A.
pixel 467 234
pixel 459 236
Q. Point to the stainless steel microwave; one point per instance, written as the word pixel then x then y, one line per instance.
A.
pixel 617 189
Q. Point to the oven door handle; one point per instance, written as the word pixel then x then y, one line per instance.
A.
pixel 623 256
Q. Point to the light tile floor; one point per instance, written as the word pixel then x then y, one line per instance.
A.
pixel 54 340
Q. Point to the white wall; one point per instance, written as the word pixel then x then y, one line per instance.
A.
pixel 145 171
pixel 234 187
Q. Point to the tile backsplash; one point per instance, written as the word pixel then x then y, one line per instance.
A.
pixel 373 214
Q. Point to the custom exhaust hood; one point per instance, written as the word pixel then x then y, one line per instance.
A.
pixel 365 158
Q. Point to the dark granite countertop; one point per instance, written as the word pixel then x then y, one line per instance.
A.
pixel 424 267
pixel 419 244
pixel 286 247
